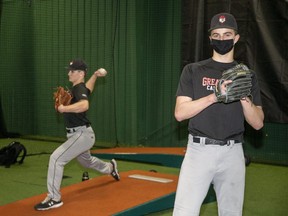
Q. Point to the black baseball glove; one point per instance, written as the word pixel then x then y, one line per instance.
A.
pixel 239 88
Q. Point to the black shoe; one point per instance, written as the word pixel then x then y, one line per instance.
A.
pixel 85 176
pixel 48 204
pixel 114 172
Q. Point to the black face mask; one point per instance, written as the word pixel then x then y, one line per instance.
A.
pixel 222 46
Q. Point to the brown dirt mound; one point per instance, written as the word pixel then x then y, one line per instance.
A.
pixel 101 196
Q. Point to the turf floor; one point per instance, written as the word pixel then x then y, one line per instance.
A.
pixel 266 185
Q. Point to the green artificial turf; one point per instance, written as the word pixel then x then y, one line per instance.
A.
pixel 266 191
pixel 29 179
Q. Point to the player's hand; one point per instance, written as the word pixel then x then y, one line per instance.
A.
pixel 101 72
pixel 223 87
pixel 61 108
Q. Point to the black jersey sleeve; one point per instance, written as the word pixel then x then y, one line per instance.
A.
pixel 80 92
pixel 185 86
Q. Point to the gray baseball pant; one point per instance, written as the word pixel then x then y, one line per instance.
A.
pixel 78 146
pixel 223 166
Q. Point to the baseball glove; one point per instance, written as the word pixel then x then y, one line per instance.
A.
pixel 61 96
pixel 239 88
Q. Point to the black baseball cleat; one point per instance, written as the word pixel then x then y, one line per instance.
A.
pixel 114 172
pixel 47 204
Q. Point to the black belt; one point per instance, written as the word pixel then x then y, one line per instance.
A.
pixel 209 141
pixel 72 130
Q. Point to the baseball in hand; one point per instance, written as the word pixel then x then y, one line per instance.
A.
pixel 102 71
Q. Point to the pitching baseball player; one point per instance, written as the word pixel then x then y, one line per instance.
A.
pixel 80 136
pixel 214 150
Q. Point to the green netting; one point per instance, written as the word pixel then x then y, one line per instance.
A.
pixel 138 42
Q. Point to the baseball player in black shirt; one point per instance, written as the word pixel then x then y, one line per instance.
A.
pixel 80 136
pixel 214 150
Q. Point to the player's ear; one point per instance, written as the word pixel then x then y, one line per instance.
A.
pixel 236 39
pixel 82 73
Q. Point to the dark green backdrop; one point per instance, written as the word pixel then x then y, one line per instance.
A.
pixel 138 42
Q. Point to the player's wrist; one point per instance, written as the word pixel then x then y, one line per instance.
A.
pixel 213 98
pixel 246 100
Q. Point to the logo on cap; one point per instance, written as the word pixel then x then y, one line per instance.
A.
pixel 222 19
